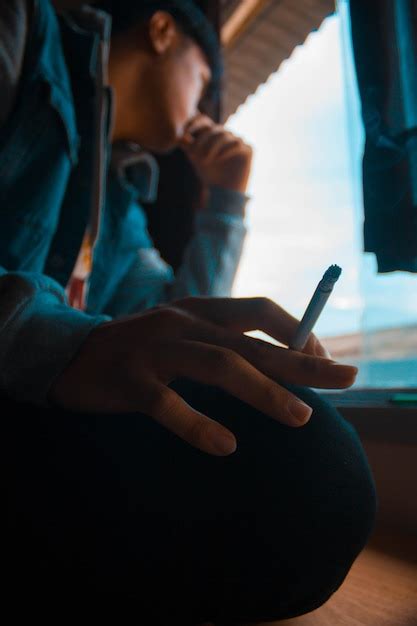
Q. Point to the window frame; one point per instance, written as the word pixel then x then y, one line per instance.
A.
pixel 375 418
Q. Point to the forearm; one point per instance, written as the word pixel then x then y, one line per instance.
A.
pixel 209 266
pixel 212 257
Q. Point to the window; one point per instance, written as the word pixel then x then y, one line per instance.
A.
pixel 306 212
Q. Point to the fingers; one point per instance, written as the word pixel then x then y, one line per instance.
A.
pixel 314 347
pixel 208 140
pixel 303 368
pixel 296 367
pixel 226 368
pixel 229 147
pixel 213 142
pixel 194 128
pixel 234 148
pixel 276 362
pixel 198 122
pixel 203 142
pixel 245 314
pixel 200 431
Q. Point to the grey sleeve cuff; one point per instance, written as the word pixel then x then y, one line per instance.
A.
pixel 221 200
pixel 39 335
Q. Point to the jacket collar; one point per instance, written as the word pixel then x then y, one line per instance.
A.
pixel 136 169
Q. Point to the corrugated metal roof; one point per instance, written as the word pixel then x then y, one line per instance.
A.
pixel 269 39
pixel 227 7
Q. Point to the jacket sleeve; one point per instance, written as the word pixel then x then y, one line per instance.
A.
pixel 39 334
pixel 210 261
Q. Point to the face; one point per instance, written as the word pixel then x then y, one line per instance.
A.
pixel 159 76
pixel 175 91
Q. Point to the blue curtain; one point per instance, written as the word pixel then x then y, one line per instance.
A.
pixel 384 37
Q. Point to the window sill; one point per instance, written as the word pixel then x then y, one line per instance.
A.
pixel 374 416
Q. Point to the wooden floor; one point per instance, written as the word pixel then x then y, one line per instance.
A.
pixel 380 589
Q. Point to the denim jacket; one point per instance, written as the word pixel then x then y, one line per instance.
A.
pixel 55 159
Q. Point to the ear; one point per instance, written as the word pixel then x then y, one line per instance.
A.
pixel 163 32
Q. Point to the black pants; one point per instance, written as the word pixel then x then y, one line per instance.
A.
pixel 117 513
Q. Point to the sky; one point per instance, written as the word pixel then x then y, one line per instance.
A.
pixel 305 211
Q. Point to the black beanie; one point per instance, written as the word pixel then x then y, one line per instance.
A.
pixel 189 16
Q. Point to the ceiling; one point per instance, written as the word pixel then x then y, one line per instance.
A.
pixel 258 35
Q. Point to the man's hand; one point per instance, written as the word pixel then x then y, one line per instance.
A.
pixel 219 157
pixel 127 365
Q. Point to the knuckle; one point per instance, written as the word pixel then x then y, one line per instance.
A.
pixel 186 302
pixel 263 305
pixel 272 394
pixel 224 361
pixel 196 432
pixel 163 405
pixel 234 139
pixel 311 365
pixel 172 317
pixel 189 307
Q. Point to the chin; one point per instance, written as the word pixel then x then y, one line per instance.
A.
pixel 165 149
pixel 166 144
pixel 164 140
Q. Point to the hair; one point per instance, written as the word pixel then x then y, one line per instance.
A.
pixel 188 16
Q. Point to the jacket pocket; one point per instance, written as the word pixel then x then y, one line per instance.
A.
pixel 38 149
pixel 43 120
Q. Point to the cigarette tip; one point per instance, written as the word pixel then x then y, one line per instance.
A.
pixel 333 272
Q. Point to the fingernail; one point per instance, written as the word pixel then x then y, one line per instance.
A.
pixel 224 444
pixel 299 410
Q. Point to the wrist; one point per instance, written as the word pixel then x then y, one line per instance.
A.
pixel 231 186
pixel 224 200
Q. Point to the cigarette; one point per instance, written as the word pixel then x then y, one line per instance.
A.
pixel 315 307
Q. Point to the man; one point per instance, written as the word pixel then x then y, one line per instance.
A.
pixel 112 420
pixel 157 85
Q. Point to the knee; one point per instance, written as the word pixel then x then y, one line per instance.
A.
pixel 346 514
pixel 315 502
pixel 338 474
pixel 334 503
